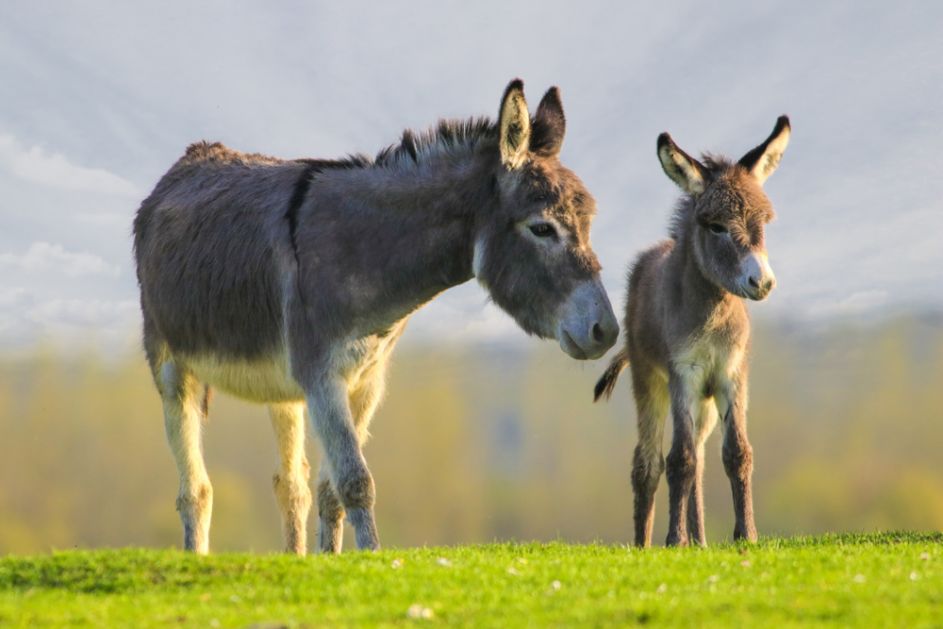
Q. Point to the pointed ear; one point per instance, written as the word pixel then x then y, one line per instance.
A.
pixel 514 126
pixel 549 125
pixel 681 168
pixel 763 160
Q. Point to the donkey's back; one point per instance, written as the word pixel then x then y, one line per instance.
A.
pixel 212 245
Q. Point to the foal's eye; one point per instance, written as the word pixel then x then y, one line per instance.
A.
pixel 717 228
pixel 543 230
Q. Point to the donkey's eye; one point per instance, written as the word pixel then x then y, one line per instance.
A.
pixel 717 228
pixel 543 230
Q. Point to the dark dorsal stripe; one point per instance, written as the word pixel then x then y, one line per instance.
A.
pixel 303 183
pixel 297 198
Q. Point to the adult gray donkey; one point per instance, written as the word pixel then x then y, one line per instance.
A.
pixel 288 282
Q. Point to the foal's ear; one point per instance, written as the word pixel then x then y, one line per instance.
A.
pixel 681 168
pixel 549 125
pixel 763 160
pixel 514 126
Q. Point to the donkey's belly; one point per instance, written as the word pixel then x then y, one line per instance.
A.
pixel 266 380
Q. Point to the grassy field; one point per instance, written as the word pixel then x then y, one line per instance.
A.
pixel 866 580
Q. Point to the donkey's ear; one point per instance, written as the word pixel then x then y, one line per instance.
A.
pixel 549 125
pixel 681 168
pixel 763 160
pixel 514 126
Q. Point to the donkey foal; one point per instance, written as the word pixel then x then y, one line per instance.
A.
pixel 687 333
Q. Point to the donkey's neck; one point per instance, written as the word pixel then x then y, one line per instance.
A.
pixel 704 303
pixel 405 231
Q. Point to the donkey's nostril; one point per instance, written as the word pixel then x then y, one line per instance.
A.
pixel 754 282
pixel 598 335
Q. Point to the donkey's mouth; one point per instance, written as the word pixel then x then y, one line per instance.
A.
pixel 571 347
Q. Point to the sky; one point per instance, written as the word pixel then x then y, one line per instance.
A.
pixel 99 99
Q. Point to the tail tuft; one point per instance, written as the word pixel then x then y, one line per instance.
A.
pixel 608 380
pixel 207 398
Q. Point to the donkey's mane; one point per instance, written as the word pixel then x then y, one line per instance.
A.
pixel 444 137
pixel 715 165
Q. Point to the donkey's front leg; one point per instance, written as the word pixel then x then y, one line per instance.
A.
pixel 330 514
pixel 681 461
pixel 704 422
pixel 738 456
pixel 350 478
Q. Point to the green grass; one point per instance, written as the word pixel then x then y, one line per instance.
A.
pixel 864 580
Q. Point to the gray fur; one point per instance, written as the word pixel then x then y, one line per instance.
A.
pixel 289 282
pixel 687 333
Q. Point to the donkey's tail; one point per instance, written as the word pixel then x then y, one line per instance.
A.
pixel 205 405
pixel 607 382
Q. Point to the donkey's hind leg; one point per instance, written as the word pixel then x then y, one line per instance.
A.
pixel 651 400
pixel 184 401
pixel 291 481
pixel 704 424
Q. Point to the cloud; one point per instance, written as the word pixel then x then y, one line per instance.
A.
pixel 84 313
pixel 855 304
pixel 42 256
pixel 36 165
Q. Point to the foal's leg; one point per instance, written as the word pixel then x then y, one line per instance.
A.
pixel 738 456
pixel 350 478
pixel 682 458
pixel 651 402
pixel 363 402
pixel 291 481
pixel 183 397
pixel 704 424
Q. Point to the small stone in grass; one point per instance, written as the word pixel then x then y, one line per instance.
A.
pixel 419 612
pixel 713 578
pixel 555 585
pixel 925 556
pixel 859 578
pixel 746 563
pixel 397 564
pixel 662 588
pixel 442 561
pixel 914 576
pixel 512 571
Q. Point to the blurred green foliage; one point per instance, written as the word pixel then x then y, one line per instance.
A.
pixel 475 444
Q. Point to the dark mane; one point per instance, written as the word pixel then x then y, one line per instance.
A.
pixel 446 135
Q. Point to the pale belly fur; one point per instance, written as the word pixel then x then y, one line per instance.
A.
pixel 264 381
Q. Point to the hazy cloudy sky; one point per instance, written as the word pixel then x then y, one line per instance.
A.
pixel 98 99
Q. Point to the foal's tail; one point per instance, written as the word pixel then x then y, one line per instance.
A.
pixel 607 382
pixel 207 398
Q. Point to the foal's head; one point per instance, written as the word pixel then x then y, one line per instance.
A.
pixel 532 252
pixel 728 212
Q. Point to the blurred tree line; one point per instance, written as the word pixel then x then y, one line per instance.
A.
pixel 475 444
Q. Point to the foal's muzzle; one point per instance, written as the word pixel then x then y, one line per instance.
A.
pixel 756 276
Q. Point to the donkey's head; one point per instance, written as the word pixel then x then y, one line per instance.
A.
pixel 729 211
pixel 532 251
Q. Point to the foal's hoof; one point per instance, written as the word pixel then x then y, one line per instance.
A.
pixel 744 536
pixel 676 540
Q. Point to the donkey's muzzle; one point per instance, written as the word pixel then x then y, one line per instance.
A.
pixel 587 326
pixel 757 279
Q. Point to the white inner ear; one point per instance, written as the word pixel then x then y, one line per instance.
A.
pixel 769 161
pixel 682 172
pixel 514 141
